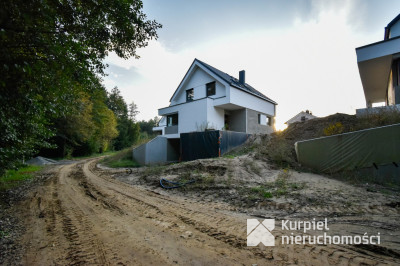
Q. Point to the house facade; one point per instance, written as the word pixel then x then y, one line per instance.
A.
pixel 379 67
pixel 301 117
pixel 209 99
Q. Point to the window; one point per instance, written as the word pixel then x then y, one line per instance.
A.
pixel 189 95
pixel 269 121
pixel 172 120
pixel 210 87
pixel 262 119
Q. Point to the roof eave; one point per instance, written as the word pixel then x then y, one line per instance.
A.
pixel 265 99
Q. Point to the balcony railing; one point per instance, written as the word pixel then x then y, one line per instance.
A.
pixel 171 130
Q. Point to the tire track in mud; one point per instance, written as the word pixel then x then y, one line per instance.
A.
pixel 214 226
pixel 85 217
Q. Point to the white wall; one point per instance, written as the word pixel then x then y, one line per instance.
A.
pixel 198 80
pixel 190 115
pixel 395 30
pixel 215 116
pixel 196 115
pixel 250 101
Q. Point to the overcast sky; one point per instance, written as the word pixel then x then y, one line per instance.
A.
pixel 300 53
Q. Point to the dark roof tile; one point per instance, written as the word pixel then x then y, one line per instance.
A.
pixel 235 82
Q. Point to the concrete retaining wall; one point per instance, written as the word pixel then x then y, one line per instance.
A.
pixel 157 151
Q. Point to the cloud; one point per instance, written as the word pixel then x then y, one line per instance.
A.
pixel 186 23
pixel 304 58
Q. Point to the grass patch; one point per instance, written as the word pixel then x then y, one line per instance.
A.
pixel 107 153
pixel 13 178
pixel 260 191
pixel 239 151
pixel 120 159
pixel 280 187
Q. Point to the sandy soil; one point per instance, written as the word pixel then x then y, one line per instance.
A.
pixel 90 215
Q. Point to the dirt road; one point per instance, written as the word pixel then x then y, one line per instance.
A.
pixel 83 216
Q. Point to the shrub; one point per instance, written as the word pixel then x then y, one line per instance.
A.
pixel 334 129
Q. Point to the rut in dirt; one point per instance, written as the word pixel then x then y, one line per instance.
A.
pixel 84 216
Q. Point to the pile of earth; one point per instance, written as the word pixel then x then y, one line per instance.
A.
pixel 279 148
pixel 314 128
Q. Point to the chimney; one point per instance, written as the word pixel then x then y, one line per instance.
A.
pixel 242 77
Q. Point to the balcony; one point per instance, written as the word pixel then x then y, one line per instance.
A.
pixel 171 130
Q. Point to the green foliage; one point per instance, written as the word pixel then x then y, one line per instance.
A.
pixel 12 178
pixel 129 131
pixel 121 159
pixel 261 192
pixel 147 126
pixel 50 53
pixel 280 187
pixel 334 129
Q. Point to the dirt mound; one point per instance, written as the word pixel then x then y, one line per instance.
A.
pixel 279 147
pixel 314 128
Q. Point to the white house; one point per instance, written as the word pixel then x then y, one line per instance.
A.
pixel 379 67
pixel 208 98
pixel 301 117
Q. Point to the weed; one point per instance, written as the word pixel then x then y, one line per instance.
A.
pixel 379 118
pixel 208 179
pixel 334 129
pixel 122 158
pixel 267 195
pixel 241 150
pixel 3 234
pixel 13 177
pixel 280 187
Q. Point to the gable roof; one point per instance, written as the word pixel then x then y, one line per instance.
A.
pixel 302 113
pixel 391 23
pixel 232 81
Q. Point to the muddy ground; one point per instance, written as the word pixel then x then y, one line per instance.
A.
pixel 84 213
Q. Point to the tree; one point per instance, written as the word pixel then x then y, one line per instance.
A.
pixel 133 111
pixel 128 130
pixel 117 104
pixel 147 126
pixel 52 51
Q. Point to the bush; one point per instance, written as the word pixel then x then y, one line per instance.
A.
pixel 334 129
pixel 12 178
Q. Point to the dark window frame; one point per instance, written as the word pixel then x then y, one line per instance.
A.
pixel 398 72
pixel 172 120
pixel 210 89
pixel 189 95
